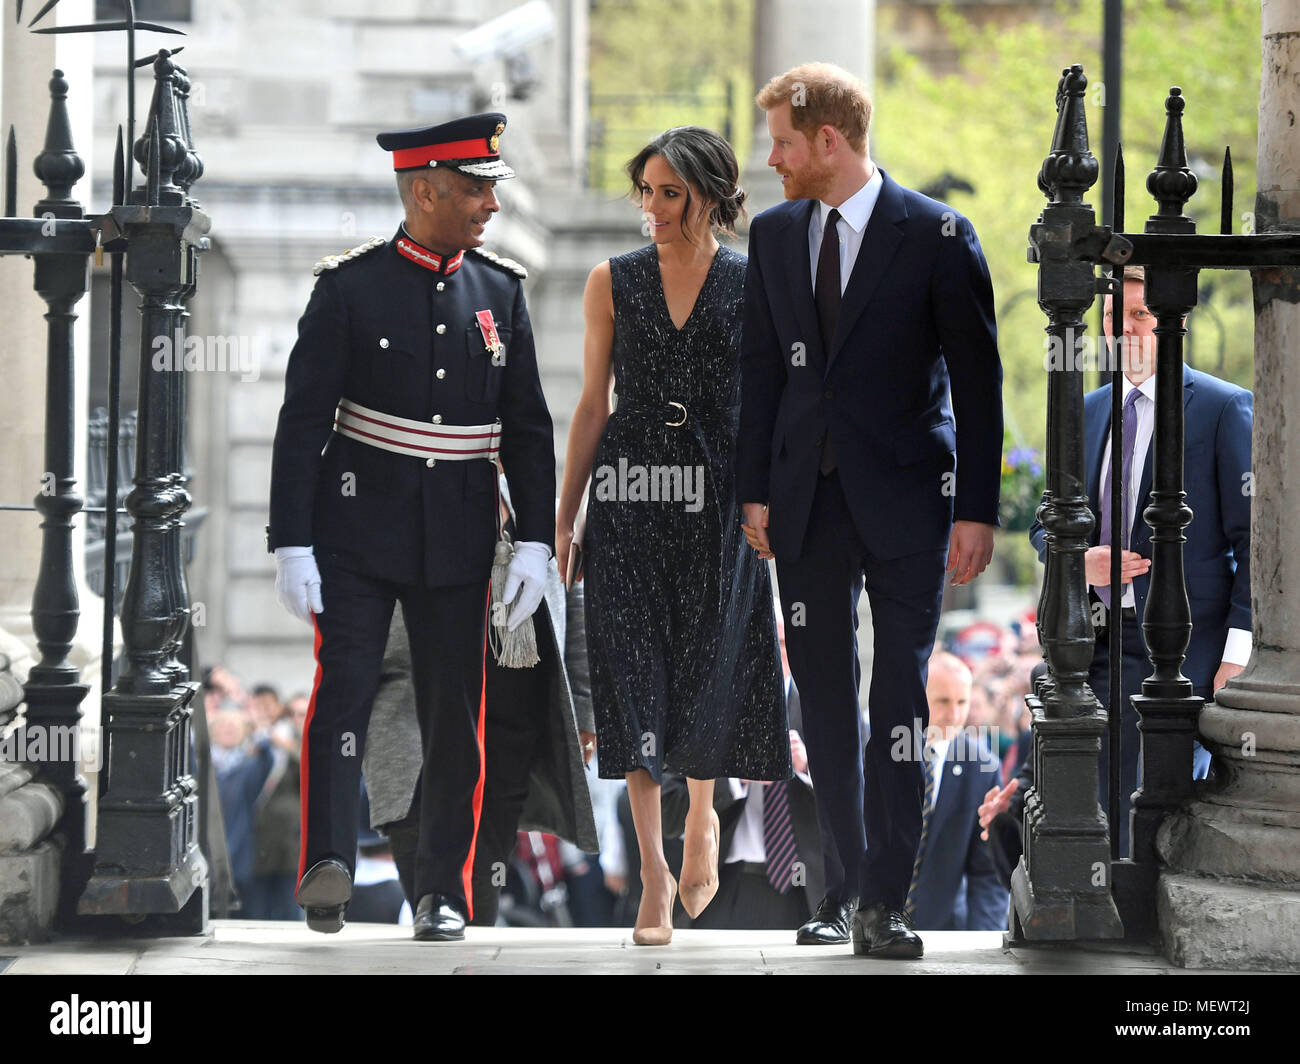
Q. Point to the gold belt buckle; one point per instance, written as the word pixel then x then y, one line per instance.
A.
pixel 682 409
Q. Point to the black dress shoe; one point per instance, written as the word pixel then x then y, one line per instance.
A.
pixel 439 918
pixel 829 925
pixel 879 931
pixel 324 892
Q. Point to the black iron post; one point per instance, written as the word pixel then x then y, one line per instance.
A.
pixel 1167 708
pixel 1061 888
pixel 1112 72
pixel 147 857
pixel 53 691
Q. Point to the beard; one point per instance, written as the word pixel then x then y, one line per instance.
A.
pixel 812 182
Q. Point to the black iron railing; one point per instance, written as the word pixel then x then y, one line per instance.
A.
pixel 1070 883
pixel 147 860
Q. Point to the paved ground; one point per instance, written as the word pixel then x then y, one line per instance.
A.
pixel 237 947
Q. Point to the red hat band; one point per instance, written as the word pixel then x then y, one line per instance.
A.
pixel 475 148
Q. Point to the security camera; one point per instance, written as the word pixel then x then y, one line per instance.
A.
pixel 507 34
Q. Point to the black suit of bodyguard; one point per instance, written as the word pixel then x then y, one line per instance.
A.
pixel 397 331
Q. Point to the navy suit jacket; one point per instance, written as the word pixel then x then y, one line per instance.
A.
pixel 916 322
pixel 958 887
pixel 1216 556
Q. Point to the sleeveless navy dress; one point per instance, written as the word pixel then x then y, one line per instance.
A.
pixel 685 667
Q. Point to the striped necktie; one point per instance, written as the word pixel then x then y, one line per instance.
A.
pixel 931 772
pixel 1128 436
pixel 778 836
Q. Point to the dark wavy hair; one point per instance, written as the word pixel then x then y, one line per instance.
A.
pixel 705 161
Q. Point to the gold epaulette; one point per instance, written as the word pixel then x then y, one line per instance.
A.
pixel 517 268
pixel 333 262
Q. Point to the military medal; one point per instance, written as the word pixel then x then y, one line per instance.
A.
pixel 491 341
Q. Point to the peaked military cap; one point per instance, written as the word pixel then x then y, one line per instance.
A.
pixel 468 145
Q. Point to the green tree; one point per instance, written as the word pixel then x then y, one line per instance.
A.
pixel 991 124
pixel 661 63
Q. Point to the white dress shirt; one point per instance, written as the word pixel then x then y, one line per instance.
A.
pixel 938 752
pixel 855 212
pixel 1237 649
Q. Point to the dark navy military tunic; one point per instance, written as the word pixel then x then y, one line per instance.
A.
pixel 397 337
pixel 403 340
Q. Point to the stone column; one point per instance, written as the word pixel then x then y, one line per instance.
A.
pixel 790 32
pixel 1230 894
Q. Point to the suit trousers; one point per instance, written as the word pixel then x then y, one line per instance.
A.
pixel 515 736
pixel 447 627
pixel 871 802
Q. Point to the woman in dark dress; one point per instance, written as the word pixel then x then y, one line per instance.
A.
pixel 685 669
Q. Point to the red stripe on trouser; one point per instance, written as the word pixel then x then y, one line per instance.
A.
pixel 467 870
pixel 304 757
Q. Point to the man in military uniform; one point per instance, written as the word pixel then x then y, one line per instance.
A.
pixel 414 371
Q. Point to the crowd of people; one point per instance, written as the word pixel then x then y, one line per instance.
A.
pixel 256 734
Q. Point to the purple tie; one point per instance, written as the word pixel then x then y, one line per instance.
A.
pixel 778 836
pixel 1129 434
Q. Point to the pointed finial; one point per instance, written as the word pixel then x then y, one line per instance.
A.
pixel 1171 182
pixel 1225 200
pixel 1070 169
pixel 58 166
pixel 1117 205
pixel 119 171
pixel 11 174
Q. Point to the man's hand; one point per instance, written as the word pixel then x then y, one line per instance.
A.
pixel 755 526
pixel 998 800
pixel 526 577
pixel 1227 670
pixel 588 741
pixel 798 752
pixel 969 551
pixel 1096 566
pixel 297 582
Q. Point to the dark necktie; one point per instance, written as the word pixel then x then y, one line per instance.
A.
pixel 827 297
pixel 1128 436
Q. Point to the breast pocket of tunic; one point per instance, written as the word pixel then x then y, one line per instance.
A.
pixel 395 357
pixel 484 368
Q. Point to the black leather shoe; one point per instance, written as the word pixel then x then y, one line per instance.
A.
pixel 325 892
pixel 829 925
pixel 878 931
pixel 438 918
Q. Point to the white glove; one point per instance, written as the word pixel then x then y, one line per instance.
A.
pixel 527 576
pixel 297 582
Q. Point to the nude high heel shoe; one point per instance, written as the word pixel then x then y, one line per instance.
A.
pixel 660 935
pixel 696 896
